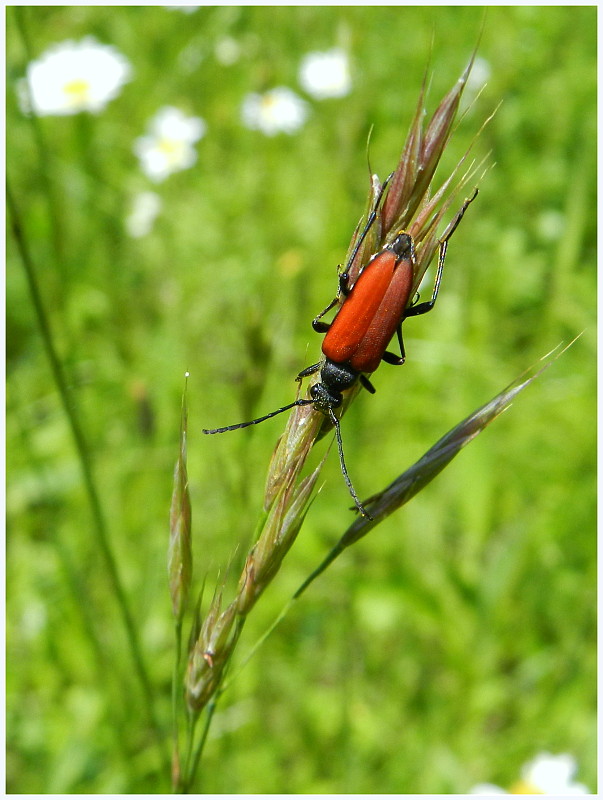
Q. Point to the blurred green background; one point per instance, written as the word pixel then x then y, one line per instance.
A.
pixel 458 639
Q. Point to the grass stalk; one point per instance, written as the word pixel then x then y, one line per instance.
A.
pixel 52 199
pixel 176 693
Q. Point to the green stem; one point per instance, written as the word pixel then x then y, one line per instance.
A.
pixel 192 768
pixel 45 159
pixel 176 684
pixel 197 757
pixel 83 453
pixel 185 779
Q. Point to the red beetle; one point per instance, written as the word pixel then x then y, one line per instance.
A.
pixel 373 309
pixel 371 314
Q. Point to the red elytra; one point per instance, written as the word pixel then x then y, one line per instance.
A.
pixel 374 308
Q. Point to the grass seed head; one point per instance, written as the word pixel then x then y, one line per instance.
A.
pixel 210 654
pixel 180 556
pixel 284 521
pixel 409 203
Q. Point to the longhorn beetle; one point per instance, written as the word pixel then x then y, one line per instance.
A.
pixel 373 308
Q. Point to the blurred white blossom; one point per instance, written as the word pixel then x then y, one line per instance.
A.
pixel 326 74
pixel 168 146
pixel 227 51
pixel 545 774
pixel 145 208
pixel 73 76
pixel 279 110
pixel 551 224
pixel 479 75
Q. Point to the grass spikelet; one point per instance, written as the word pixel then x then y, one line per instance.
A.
pixel 301 431
pixel 180 556
pixel 420 157
pixel 280 531
pixel 210 654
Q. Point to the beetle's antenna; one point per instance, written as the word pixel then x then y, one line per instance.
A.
pixel 301 402
pixel 344 470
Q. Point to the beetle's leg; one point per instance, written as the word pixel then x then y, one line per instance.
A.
pixel 400 342
pixel 344 283
pixel 423 308
pixel 370 219
pixel 392 358
pixel 367 384
pixel 320 327
pixel 308 371
pixel 344 289
pixel 323 327
pixel 454 223
pixel 344 277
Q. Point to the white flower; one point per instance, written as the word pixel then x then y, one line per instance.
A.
pixel 73 76
pixel 545 774
pixel 168 147
pixel 278 110
pixel 145 208
pixel 325 75
pixel 549 774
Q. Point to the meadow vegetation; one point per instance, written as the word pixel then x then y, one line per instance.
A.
pixel 457 640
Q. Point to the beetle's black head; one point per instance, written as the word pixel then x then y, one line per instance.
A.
pixel 325 397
